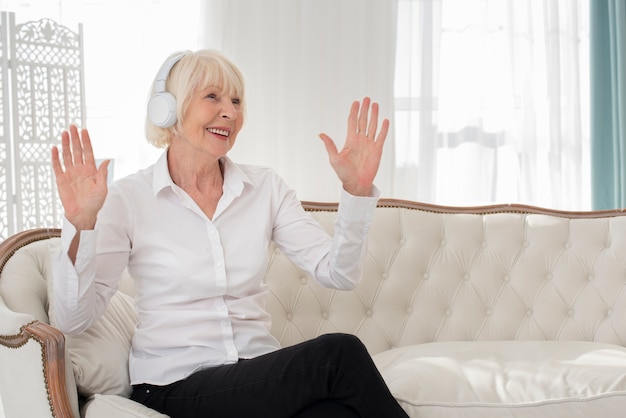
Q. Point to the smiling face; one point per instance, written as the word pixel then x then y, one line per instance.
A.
pixel 209 92
pixel 211 122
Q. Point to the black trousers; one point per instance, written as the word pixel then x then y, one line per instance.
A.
pixel 330 376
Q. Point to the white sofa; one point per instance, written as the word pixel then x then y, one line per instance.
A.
pixel 499 311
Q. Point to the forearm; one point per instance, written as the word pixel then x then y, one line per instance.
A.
pixel 343 267
pixel 78 301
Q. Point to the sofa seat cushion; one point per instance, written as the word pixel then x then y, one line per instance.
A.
pixel 507 378
pixel 108 406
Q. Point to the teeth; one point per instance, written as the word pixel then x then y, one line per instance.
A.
pixel 219 131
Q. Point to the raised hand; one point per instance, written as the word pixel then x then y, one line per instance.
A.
pixel 82 186
pixel 357 163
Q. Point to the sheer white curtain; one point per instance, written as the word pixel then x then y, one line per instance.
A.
pixel 492 102
pixel 305 62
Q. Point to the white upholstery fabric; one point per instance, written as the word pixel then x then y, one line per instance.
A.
pixel 13 374
pixel 108 406
pixel 485 379
pixel 440 277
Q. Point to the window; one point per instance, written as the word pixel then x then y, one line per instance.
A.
pixel 492 102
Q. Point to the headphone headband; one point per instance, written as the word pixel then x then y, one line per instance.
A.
pixel 164 71
pixel 162 104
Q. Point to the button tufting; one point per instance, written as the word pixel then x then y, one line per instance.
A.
pixel 568 245
pixel 489 312
pixel 466 277
pixel 303 280
pixel 549 276
pixel 529 312
pixel 289 317
pixel 368 312
pixel 443 242
pixel 483 244
pixel 448 312
pixel 385 276
pixel 507 278
pixel 402 241
pixel 591 277
pixel 325 315
pixel 609 312
pixel 426 276
pixel 409 310
pixel 570 312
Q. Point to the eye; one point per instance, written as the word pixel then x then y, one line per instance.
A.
pixel 212 96
pixel 236 102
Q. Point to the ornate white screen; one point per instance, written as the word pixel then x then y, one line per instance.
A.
pixel 42 93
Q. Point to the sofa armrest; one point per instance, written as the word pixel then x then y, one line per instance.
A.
pixel 32 359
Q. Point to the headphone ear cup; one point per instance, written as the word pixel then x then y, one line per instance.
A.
pixel 162 110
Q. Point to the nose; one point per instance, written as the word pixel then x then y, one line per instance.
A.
pixel 228 109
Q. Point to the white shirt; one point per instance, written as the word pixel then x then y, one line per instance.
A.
pixel 199 288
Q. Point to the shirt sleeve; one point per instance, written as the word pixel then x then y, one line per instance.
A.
pixel 82 290
pixel 342 267
pixel 337 261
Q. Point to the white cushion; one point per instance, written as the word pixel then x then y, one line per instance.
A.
pixel 107 406
pixel 507 378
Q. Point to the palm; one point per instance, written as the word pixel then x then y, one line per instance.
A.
pixel 357 163
pixel 82 187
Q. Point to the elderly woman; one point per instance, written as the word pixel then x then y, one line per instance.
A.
pixel 194 231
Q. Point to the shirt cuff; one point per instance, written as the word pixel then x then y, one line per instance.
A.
pixel 86 246
pixel 358 208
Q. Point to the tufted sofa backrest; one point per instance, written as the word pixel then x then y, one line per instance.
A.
pixel 432 273
pixel 435 273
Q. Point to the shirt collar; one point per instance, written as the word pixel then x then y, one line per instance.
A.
pixel 234 176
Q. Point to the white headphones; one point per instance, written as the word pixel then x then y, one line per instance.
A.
pixel 162 104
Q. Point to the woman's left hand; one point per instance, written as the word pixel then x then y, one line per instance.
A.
pixel 357 163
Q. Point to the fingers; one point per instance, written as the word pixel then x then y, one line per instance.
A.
pixel 363 115
pixel 76 149
pixel 331 148
pixel 363 118
pixel 382 135
pixel 56 163
pixel 65 147
pixel 373 122
pixel 103 171
pixel 87 149
pixel 352 117
pixel 77 146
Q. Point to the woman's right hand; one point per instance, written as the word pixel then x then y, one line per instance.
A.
pixel 82 186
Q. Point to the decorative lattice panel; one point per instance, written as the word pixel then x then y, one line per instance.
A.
pixel 6 160
pixel 47 95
